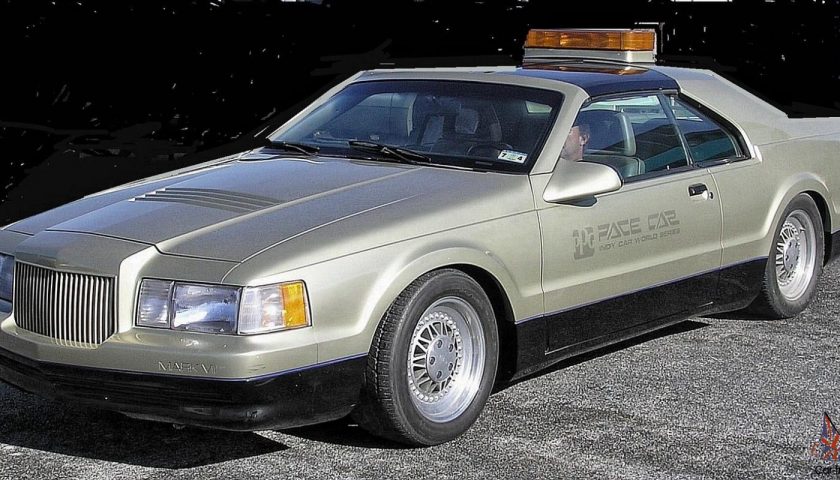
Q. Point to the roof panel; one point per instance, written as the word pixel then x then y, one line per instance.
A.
pixel 600 79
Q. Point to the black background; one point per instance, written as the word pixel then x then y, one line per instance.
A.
pixel 97 93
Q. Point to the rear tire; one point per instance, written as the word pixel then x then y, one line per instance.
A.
pixel 795 262
pixel 432 362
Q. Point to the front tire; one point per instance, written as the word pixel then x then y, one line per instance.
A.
pixel 432 362
pixel 795 262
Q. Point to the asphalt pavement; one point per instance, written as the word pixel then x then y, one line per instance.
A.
pixel 711 398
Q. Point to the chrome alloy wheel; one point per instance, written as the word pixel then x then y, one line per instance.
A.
pixel 795 255
pixel 446 357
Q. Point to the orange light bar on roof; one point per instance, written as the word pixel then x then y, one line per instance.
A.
pixel 620 40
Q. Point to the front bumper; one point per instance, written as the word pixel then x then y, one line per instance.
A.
pixel 315 394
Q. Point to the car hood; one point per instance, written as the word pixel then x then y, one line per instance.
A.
pixel 237 209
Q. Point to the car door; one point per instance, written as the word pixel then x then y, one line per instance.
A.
pixel 645 253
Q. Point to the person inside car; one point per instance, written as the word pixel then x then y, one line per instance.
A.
pixel 576 142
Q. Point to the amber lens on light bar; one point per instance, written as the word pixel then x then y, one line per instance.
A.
pixel 625 40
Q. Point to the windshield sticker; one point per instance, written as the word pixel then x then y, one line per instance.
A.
pixel 513 156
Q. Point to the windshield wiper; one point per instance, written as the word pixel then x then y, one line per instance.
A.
pixel 400 154
pixel 292 146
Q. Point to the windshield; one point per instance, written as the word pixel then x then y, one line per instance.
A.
pixel 466 124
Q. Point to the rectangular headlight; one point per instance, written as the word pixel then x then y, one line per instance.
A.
pixel 219 309
pixel 273 307
pixel 7 277
pixel 155 299
pixel 205 308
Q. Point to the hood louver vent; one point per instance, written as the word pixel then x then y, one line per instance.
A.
pixel 205 197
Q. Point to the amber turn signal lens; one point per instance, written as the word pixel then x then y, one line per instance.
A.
pixel 294 301
pixel 269 308
pixel 619 40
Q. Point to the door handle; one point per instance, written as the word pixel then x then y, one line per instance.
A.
pixel 699 189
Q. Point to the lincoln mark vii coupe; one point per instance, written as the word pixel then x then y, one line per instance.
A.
pixel 415 237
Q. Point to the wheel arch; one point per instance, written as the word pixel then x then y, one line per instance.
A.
pixel 802 183
pixel 825 215
pixel 482 265
pixel 385 404
pixel 487 270
pixel 502 309
pixel 505 320
pixel 780 301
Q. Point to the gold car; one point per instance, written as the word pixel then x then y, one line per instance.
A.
pixel 415 236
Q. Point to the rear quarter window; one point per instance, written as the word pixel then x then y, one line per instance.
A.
pixel 705 138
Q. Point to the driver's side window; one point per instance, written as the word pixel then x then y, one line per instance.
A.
pixel 634 135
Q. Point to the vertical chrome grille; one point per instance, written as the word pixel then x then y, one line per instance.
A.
pixel 76 310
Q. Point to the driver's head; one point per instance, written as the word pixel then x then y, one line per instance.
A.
pixel 576 142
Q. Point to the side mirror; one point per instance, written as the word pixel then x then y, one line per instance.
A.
pixel 573 181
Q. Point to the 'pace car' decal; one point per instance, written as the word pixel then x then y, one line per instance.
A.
pixel 624 233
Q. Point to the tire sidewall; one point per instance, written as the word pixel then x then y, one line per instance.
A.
pixel 445 284
pixel 783 305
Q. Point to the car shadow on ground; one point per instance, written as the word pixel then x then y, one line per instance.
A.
pixel 740 315
pixel 30 422
pixel 346 432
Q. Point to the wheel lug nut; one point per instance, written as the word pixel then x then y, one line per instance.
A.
pixel 432 361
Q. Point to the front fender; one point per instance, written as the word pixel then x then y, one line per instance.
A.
pixel 400 277
pixel 350 294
